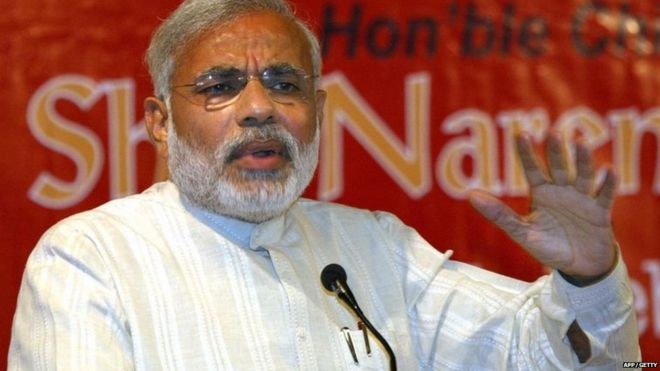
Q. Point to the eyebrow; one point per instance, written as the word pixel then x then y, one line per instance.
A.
pixel 218 70
pixel 229 70
pixel 285 67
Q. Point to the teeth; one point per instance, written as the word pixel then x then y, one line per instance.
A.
pixel 263 153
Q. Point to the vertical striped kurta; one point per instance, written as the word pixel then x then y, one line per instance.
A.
pixel 150 282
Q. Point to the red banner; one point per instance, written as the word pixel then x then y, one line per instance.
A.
pixel 424 100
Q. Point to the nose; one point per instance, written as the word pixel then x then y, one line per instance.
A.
pixel 254 106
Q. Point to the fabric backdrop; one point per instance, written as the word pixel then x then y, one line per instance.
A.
pixel 424 99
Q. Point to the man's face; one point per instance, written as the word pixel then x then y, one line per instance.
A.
pixel 254 153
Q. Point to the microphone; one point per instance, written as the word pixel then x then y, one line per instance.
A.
pixel 333 278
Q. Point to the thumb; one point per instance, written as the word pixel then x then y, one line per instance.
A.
pixel 497 212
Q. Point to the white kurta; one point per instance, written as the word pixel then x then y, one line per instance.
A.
pixel 149 282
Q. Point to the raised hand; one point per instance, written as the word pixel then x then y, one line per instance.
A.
pixel 569 225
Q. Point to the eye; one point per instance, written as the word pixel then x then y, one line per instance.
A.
pixel 217 87
pixel 285 86
pixel 285 82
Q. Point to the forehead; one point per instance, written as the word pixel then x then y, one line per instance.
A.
pixel 251 41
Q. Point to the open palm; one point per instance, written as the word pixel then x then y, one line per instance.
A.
pixel 569 224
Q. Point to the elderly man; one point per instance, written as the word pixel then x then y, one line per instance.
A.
pixel 218 268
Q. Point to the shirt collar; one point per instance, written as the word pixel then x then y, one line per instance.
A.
pixel 235 230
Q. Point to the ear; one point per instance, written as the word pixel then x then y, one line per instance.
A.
pixel 321 95
pixel 155 118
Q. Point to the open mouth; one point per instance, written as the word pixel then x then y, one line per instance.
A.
pixel 260 149
pixel 268 154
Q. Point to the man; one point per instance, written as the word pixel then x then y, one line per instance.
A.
pixel 218 268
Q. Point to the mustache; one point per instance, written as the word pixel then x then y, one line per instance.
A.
pixel 234 146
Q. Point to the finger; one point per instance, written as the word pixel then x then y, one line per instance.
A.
pixel 556 159
pixel 497 212
pixel 529 161
pixel 584 180
pixel 605 194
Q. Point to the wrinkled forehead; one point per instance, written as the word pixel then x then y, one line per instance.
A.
pixel 252 41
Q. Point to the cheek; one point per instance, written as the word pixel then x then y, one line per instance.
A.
pixel 301 124
pixel 200 127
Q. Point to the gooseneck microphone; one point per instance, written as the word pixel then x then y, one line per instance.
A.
pixel 333 278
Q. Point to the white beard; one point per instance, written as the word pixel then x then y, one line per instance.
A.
pixel 210 181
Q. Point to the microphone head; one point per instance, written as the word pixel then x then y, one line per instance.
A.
pixel 331 274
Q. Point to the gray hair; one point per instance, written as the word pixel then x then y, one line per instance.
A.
pixel 194 17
